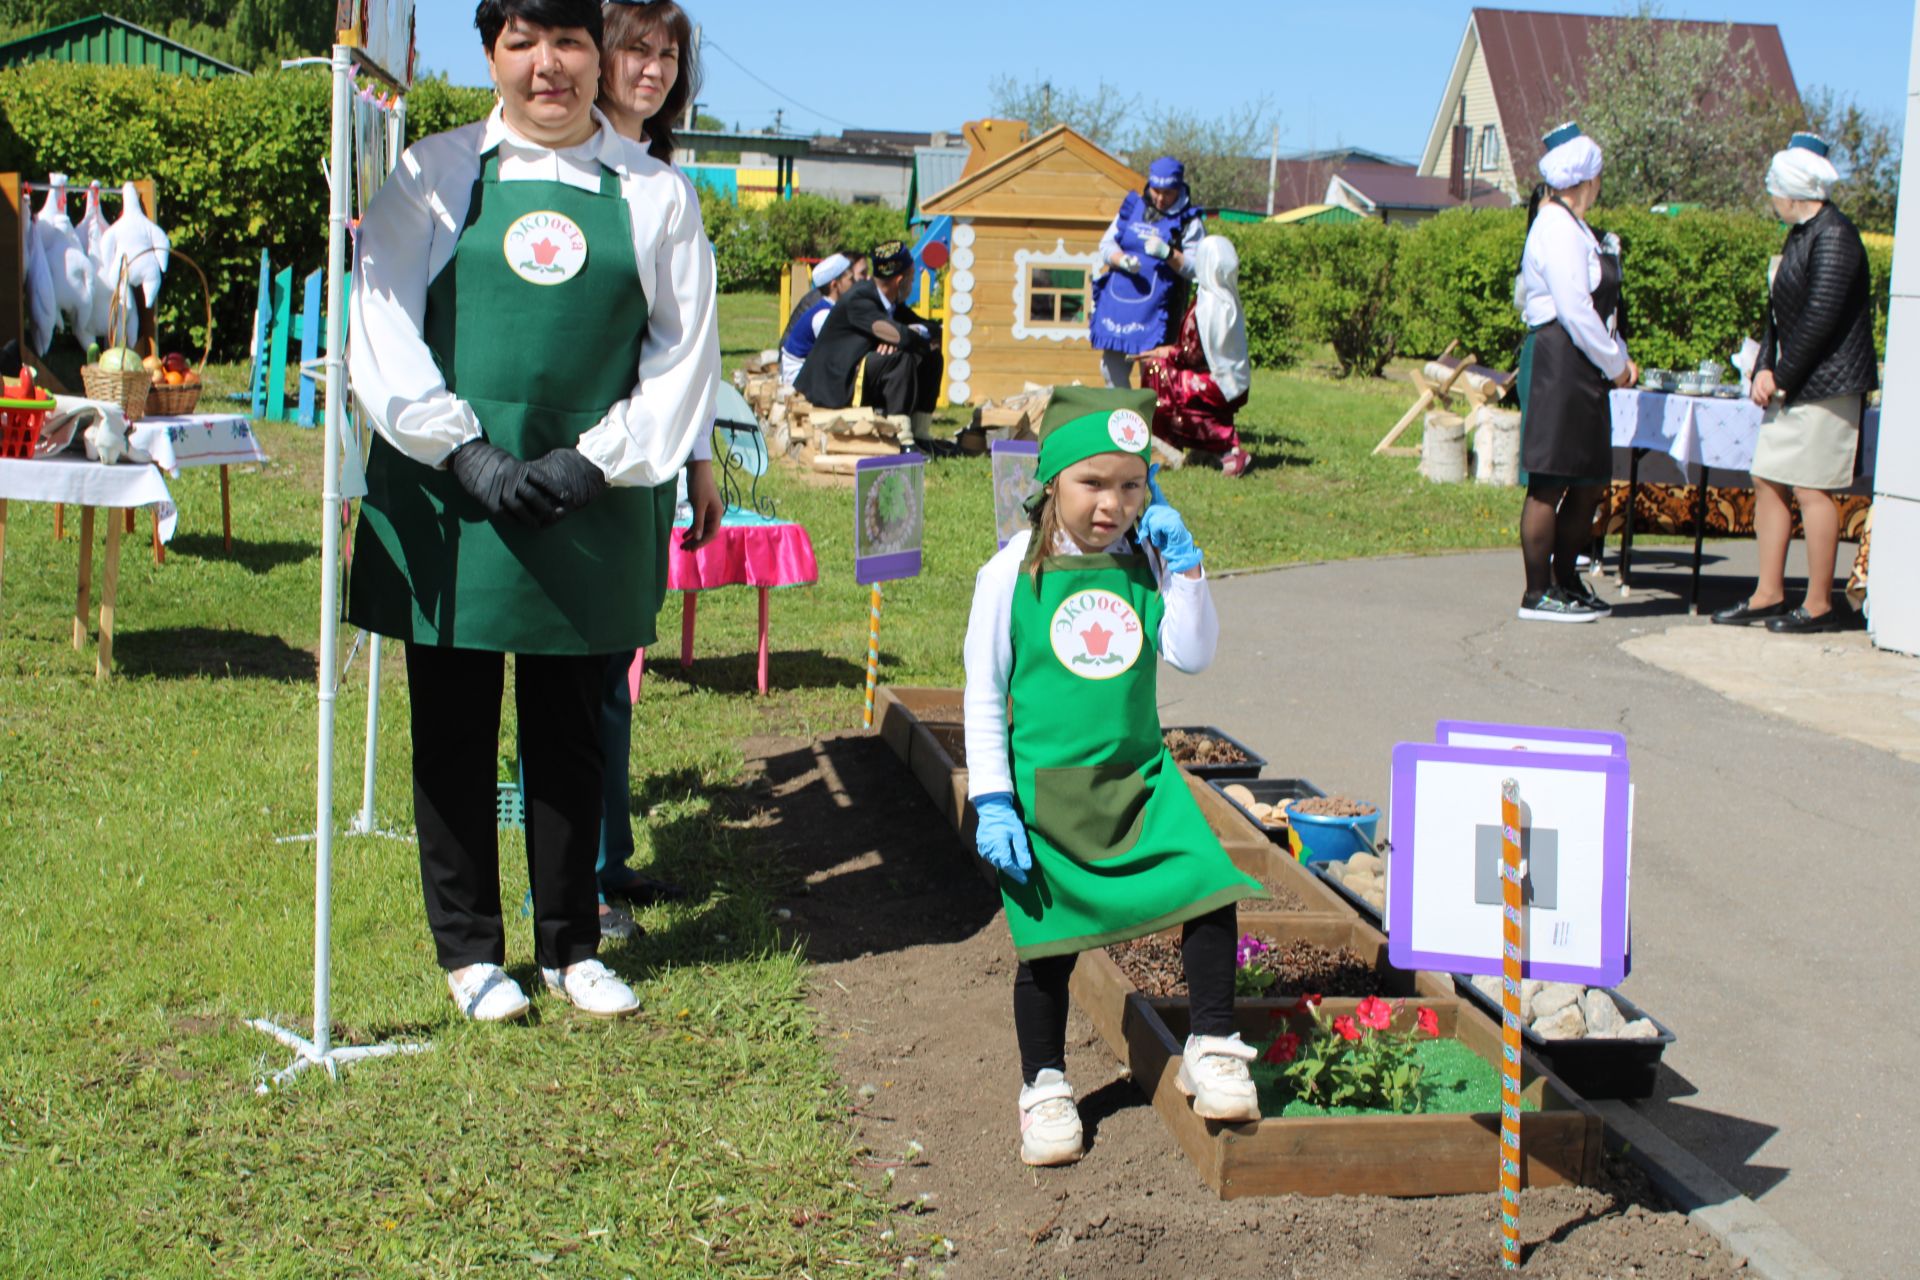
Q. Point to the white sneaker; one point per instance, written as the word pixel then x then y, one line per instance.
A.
pixel 1049 1122
pixel 485 993
pixel 1213 1072
pixel 590 987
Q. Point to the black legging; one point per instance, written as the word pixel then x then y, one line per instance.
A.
pixel 1040 992
pixel 1556 525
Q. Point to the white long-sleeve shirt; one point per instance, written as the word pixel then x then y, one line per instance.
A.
pixel 1190 238
pixel 1559 271
pixel 408 237
pixel 1189 634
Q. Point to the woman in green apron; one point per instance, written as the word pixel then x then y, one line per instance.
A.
pixel 1569 294
pixel 534 340
pixel 1081 808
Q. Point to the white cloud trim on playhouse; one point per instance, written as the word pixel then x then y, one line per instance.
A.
pixel 1025 258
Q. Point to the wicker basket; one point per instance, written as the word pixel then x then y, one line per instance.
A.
pixel 128 389
pixel 156 397
pixel 164 399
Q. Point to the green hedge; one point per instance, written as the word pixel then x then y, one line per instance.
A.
pixel 753 245
pixel 1695 286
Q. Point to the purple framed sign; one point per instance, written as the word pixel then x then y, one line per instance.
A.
pixel 889 517
pixel 1016 475
pixel 1444 895
pixel 1526 737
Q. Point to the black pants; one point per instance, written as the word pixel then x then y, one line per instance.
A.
pixel 902 382
pixel 455 695
pixel 1040 992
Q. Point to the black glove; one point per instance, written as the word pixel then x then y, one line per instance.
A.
pixel 568 477
pixel 500 483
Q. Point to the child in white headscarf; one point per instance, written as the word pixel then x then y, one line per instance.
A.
pixel 1201 383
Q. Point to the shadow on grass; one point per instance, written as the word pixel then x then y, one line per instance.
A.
pixel 739 672
pixel 250 554
pixel 180 653
pixel 1272 447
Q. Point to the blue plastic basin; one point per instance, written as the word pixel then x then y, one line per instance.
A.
pixel 1328 839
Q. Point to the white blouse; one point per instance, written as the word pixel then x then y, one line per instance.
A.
pixel 408 237
pixel 1189 635
pixel 1559 271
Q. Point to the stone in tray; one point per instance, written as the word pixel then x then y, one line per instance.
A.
pixel 1154 966
pixel 1271 815
pixel 1200 748
pixel 1332 807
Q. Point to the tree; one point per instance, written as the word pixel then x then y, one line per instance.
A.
pixel 253 35
pixel 1866 151
pixel 1100 117
pixel 1683 114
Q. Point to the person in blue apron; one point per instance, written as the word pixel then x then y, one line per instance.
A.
pixel 1148 255
pixel 1081 808
pixel 1574 355
pixel 535 343
pixel 832 277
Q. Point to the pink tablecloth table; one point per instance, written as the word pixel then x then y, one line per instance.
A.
pixel 750 551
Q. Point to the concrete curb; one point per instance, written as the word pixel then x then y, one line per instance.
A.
pixel 1709 1200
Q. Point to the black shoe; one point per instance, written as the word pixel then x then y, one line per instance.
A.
pixel 1555 605
pixel 1587 596
pixel 1802 623
pixel 1745 615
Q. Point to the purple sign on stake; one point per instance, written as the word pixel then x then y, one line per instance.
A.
pixel 1444 907
pixel 1016 472
pixel 889 517
pixel 1525 737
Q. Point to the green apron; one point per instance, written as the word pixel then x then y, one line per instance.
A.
pixel 536 322
pixel 1120 848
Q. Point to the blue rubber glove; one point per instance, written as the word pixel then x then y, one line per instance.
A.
pixel 1162 529
pixel 1002 837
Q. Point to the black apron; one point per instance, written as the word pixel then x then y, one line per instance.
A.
pixel 1566 420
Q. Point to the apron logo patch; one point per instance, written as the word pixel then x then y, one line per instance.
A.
pixel 1129 431
pixel 545 247
pixel 1096 634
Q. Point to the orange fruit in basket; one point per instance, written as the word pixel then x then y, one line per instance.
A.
pixel 192 378
pixel 175 378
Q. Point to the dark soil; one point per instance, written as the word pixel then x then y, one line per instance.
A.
pixel 1284 899
pixel 912 987
pixel 1332 807
pixel 1153 964
pixel 1201 748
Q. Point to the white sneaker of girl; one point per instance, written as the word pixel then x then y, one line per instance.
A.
pixel 1049 1122
pixel 591 987
pixel 1213 1072
pixel 485 993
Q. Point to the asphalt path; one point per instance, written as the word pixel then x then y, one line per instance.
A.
pixel 1776 867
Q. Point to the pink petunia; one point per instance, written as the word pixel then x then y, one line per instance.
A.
pixel 1429 1022
pixel 1344 1026
pixel 1284 1048
pixel 1374 1012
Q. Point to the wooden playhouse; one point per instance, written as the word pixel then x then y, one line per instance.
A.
pixel 1028 214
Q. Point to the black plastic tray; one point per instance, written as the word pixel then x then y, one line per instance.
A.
pixel 1248 768
pixel 1358 903
pixel 1593 1068
pixel 1266 791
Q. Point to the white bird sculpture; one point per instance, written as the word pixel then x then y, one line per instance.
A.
pixel 43 311
pixel 134 233
pixel 73 273
pixel 93 230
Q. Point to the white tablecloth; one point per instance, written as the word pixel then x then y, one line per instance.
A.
pixel 89 484
pixel 1702 430
pixel 197 440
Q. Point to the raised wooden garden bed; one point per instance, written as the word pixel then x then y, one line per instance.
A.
pixel 1385 1155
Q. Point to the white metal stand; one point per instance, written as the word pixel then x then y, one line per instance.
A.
pixel 320 1051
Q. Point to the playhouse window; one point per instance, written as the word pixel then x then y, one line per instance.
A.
pixel 1056 295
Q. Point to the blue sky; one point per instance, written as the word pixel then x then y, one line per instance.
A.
pixel 1360 73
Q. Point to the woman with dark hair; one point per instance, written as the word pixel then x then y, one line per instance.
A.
pixel 647 78
pixel 1569 295
pixel 535 342
pixel 1815 368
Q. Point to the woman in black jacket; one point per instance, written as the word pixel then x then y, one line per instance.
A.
pixel 1815 367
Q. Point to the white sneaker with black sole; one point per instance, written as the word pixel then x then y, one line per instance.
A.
pixel 1555 605
pixel 485 993
pixel 1213 1072
pixel 592 988
pixel 1049 1122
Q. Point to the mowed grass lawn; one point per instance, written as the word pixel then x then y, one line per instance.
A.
pixel 147 909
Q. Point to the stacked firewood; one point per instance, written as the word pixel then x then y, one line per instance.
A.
pixel 831 441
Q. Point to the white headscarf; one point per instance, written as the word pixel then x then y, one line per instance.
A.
pixel 1802 171
pixel 831 268
pixel 1571 158
pixel 1218 317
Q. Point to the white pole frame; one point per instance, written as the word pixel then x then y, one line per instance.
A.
pixel 319 1050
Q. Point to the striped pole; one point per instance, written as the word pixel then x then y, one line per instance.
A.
pixel 1510 1025
pixel 873 650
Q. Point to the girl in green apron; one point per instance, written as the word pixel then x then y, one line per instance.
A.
pixel 1082 810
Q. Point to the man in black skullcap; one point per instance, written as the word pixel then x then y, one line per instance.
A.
pixel 874 351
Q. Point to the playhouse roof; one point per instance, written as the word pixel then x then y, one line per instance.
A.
pixel 996 191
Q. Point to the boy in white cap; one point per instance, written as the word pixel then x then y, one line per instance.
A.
pixel 832 277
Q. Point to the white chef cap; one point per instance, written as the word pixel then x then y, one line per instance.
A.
pixel 1571 157
pixel 1802 171
pixel 830 269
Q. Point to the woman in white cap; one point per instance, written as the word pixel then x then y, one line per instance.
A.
pixel 832 277
pixel 1569 294
pixel 1816 365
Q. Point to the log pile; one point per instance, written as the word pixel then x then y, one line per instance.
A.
pixel 831 441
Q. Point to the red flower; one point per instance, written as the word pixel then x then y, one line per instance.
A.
pixel 1305 1004
pixel 1344 1025
pixel 1284 1048
pixel 1097 638
pixel 1374 1012
pixel 545 252
pixel 1429 1022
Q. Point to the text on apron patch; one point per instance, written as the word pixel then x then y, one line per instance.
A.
pixel 544 247
pixel 1096 635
